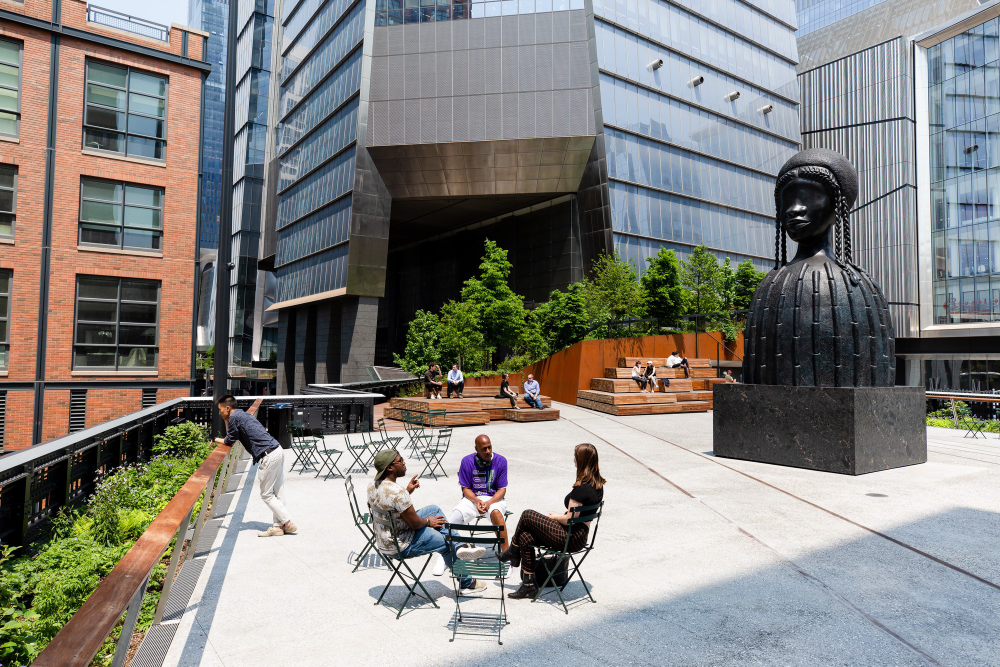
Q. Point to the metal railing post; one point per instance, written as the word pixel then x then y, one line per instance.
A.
pixel 203 515
pixel 175 558
pixel 125 639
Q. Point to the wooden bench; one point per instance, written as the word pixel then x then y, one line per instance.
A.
pixel 531 415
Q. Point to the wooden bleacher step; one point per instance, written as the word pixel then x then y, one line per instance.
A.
pixel 625 398
pixel 531 415
pixel 644 408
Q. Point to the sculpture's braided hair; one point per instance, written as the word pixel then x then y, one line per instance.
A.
pixel 842 230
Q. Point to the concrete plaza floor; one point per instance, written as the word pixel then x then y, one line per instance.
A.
pixel 698 561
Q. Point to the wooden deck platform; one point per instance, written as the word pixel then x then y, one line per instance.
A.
pixel 531 415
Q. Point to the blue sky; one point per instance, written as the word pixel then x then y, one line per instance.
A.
pixel 161 11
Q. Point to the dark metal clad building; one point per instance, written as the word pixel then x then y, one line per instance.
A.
pixel 409 132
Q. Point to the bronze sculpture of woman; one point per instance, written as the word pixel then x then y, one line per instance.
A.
pixel 818 320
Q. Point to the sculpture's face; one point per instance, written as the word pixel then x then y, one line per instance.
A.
pixel 806 209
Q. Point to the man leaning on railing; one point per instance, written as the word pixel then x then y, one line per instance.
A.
pixel 264 449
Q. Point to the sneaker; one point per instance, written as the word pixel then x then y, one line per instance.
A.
pixel 476 587
pixel 469 552
pixel 273 531
pixel 439 567
pixel 289 528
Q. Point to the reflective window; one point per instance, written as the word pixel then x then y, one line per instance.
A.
pixel 5 282
pixel 815 14
pixel 116 323
pixel 964 118
pixel 122 215
pixel 398 12
pixel 332 136
pixel 10 87
pixel 126 111
pixel 8 199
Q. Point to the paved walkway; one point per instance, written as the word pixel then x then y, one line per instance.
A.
pixel 699 561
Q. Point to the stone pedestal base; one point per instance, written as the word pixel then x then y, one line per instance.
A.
pixel 851 431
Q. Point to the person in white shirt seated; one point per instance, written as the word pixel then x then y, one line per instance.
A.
pixel 638 377
pixel 675 360
pixel 456 381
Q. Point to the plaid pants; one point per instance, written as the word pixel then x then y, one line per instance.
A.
pixel 534 529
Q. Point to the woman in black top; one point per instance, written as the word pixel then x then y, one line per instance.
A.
pixel 534 529
pixel 505 392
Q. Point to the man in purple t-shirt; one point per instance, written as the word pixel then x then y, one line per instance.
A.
pixel 483 477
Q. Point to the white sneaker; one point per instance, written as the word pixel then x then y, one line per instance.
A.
pixel 477 587
pixel 469 552
pixel 439 567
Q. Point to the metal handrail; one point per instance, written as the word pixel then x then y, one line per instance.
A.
pixel 122 591
pixel 133 24
pixel 36 482
pixel 718 354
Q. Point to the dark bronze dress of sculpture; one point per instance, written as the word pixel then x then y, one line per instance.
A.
pixel 818 320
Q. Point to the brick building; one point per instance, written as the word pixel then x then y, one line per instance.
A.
pixel 100 126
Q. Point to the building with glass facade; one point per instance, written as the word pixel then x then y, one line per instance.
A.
pixel 407 132
pixel 212 17
pixel 882 87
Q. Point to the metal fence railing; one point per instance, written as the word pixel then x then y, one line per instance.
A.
pixel 133 24
pixel 36 482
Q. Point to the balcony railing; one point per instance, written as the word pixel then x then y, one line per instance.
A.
pixel 132 24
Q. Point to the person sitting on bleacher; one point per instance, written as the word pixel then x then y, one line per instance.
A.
pixel 638 376
pixel 456 381
pixel 531 392
pixel 505 392
pixel 431 386
pixel 650 377
pixel 675 360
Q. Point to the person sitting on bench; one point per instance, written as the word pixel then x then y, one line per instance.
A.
pixel 456 381
pixel 531 392
pixel 431 386
pixel 638 376
pixel 505 392
pixel 675 360
pixel 534 528
pixel 650 377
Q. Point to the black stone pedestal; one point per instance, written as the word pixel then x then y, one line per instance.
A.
pixel 848 430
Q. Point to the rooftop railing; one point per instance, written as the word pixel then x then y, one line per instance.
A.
pixel 36 482
pixel 133 24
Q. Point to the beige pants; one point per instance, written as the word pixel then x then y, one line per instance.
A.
pixel 271 476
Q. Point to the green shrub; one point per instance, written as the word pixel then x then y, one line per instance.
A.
pixel 40 592
pixel 940 423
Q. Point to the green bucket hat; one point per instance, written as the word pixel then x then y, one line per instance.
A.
pixel 383 460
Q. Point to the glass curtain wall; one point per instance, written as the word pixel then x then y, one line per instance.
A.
pixel 697 121
pixel 964 117
pixel 255 21
pixel 316 142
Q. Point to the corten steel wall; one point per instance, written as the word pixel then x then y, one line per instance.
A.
pixel 173 266
pixel 564 373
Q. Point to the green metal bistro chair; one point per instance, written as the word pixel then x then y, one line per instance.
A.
pixel 581 515
pixel 414 425
pixel 329 458
pixel 362 521
pixel 358 451
pixel 398 564
pixel 433 454
pixel 392 441
pixel 373 446
pixel 303 445
pixel 456 535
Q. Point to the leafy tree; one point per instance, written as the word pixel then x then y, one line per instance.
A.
pixel 421 343
pixel 501 311
pixel 700 275
pixel 666 298
pixel 725 286
pixel 459 336
pixel 747 278
pixel 533 341
pixel 613 291
pixel 563 318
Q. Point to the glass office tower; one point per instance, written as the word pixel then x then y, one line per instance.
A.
pixel 211 16
pixel 409 132
pixel 964 119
